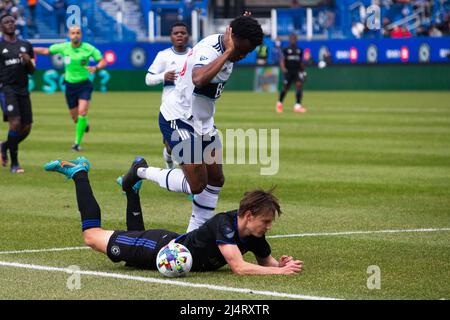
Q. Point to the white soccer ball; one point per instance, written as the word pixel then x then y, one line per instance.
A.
pixel 174 260
pixel 322 64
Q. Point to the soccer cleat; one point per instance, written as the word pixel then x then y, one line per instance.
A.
pixel 298 108
pixel 279 107
pixel 76 147
pixel 131 177
pixel 17 169
pixel 68 168
pixel 136 187
pixel 4 153
pixel 81 161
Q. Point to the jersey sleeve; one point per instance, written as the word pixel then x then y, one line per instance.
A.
pixel 30 50
pixel 204 56
pixel 158 65
pixel 260 247
pixel 225 232
pixel 56 48
pixel 96 54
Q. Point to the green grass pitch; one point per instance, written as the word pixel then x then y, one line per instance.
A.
pixel 356 161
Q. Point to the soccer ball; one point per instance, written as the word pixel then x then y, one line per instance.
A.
pixel 174 260
pixel 322 64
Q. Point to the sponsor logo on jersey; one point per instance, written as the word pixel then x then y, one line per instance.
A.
pixel 11 62
pixel 5 51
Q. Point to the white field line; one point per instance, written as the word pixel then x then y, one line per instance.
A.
pixel 268 237
pixel 355 232
pixel 162 281
pixel 44 250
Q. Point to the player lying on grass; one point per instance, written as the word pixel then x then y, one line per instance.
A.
pixel 221 240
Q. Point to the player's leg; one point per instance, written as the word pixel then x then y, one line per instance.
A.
pixel 204 203
pixel 167 155
pixel 4 144
pixel 190 178
pixel 13 115
pixel 77 170
pixel 72 94
pixel 26 117
pixel 135 221
pixel 82 121
pixel 285 88
pixel 298 97
pixel 12 143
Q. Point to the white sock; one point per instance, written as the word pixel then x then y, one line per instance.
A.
pixel 170 179
pixel 168 159
pixel 203 206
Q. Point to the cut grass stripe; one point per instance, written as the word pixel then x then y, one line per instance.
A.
pixel 162 281
pixel 344 233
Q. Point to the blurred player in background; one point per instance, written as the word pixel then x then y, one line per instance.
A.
pixel 186 119
pixel 293 69
pixel 76 55
pixel 166 67
pixel 16 63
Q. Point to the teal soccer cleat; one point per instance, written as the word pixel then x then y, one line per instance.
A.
pixel 68 168
pixel 136 187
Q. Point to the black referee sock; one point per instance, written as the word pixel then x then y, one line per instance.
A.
pixel 135 221
pixel 88 206
pixel 13 146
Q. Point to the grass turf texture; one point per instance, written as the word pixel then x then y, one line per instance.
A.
pixel 354 161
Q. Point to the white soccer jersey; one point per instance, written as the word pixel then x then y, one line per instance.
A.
pixel 198 102
pixel 166 60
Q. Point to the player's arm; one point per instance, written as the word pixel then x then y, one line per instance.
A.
pixel 157 74
pixel 28 60
pixel 98 57
pixel 53 49
pixel 201 76
pixel 239 266
pixel 101 64
pixel 270 261
pixel 282 64
pixel 42 51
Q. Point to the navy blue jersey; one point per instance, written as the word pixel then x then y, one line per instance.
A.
pixel 221 229
pixel 293 58
pixel 13 71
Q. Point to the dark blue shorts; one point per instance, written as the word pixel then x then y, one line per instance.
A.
pixel 77 91
pixel 16 105
pixel 138 248
pixel 187 146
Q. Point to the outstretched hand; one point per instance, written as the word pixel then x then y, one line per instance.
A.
pixel 290 265
pixel 91 69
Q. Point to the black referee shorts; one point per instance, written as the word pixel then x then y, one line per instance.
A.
pixel 16 105
pixel 138 248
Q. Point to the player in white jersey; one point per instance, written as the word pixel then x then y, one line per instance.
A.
pixel 192 104
pixel 166 68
